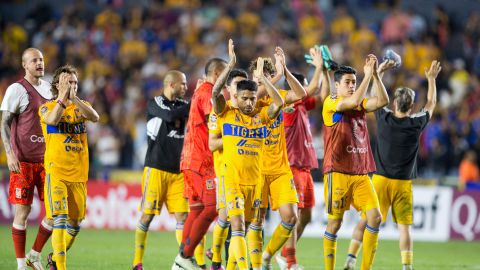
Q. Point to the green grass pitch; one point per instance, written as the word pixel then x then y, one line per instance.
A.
pixel 101 249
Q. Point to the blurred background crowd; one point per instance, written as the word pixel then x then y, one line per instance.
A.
pixel 123 48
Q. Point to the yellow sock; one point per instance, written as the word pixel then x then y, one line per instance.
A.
pixel 199 252
pixel 58 241
pixel 232 263
pixel 179 232
pixel 255 243
pixel 354 248
pixel 71 235
pixel 239 247
pixel 141 234
pixel 220 232
pixel 279 237
pixel 407 257
pixel 329 250
pixel 370 243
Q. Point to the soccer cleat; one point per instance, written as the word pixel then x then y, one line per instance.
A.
pixel 407 267
pixel 51 264
pixel 209 254
pixel 350 263
pixel 22 268
pixel 281 261
pixel 296 267
pixel 217 268
pixel 138 267
pixel 266 261
pixel 35 262
pixel 186 263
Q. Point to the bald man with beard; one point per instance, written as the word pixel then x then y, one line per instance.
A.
pixel 162 181
pixel 25 147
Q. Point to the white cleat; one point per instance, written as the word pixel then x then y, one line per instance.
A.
pixel 296 267
pixel 281 261
pixel 185 263
pixel 35 262
pixel 266 261
pixel 350 263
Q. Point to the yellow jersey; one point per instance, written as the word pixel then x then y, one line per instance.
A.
pixel 66 154
pixel 275 159
pixel 329 112
pixel 243 137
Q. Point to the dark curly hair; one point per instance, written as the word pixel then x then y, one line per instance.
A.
pixel 268 66
pixel 56 77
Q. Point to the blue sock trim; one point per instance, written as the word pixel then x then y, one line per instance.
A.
pixel 59 222
pixel 330 236
pixel 238 233
pixel 372 230
pixel 73 230
pixel 223 223
pixel 287 226
pixel 255 228
pixel 142 227
pixel 351 255
pixel 180 225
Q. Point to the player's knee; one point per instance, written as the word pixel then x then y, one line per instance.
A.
pixel 375 219
pixel 21 213
pixel 146 219
pixel 74 222
pixel 237 223
pixel 180 217
pixel 290 218
pixel 333 225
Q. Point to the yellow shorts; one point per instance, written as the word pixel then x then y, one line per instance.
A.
pixel 162 187
pixel 281 190
pixel 242 199
pixel 65 198
pixel 395 193
pixel 341 190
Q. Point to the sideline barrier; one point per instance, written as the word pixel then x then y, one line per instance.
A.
pixel 440 213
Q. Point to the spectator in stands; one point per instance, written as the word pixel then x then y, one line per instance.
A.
pixel 469 172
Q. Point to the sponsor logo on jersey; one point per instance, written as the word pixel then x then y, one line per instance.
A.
pixel 37 139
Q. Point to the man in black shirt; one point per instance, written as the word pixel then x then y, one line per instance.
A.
pixel 162 181
pixel 395 154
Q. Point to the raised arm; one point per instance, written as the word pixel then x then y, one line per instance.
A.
pixel 317 62
pixel 431 75
pixel 218 100
pixel 277 101
pixel 86 110
pixel 279 68
pixel 6 132
pixel 356 98
pixel 53 117
pixel 380 98
pixel 298 92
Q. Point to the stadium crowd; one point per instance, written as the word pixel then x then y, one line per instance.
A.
pixel 123 50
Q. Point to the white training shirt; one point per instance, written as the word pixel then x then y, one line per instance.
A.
pixel 16 96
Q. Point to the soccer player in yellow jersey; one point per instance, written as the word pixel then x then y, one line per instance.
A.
pixel 278 184
pixel 395 156
pixel 66 161
pixel 348 157
pixel 241 132
pixel 220 229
